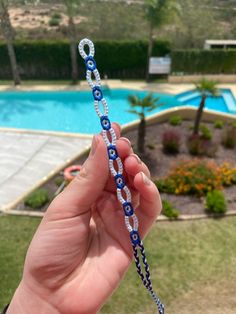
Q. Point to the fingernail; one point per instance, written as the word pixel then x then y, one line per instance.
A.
pixel 146 180
pixel 94 145
pixel 137 158
pixel 125 140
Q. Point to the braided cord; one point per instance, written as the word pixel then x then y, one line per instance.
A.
pixel 123 192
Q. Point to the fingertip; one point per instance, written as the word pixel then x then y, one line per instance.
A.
pixel 145 186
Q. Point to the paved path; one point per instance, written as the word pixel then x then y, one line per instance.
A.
pixel 26 159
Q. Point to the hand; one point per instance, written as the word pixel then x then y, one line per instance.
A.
pixel 82 249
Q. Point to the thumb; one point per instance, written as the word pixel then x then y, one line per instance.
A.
pixel 85 188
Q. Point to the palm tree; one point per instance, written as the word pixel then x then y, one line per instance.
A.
pixel 158 13
pixel 71 7
pixel 205 88
pixel 147 104
pixel 8 35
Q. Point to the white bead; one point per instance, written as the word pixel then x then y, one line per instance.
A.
pixel 105 107
pixel 128 225
pixel 120 197
pixel 89 43
pixel 134 223
pixel 106 140
pixel 89 78
pixel 112 168
pixel 113 137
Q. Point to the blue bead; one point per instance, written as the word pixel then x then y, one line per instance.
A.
pixel 112 152
pixel 120 182
pixel 90 63
pixel 105 123
pixel 128 208
pixel 97 93
pixel 134 236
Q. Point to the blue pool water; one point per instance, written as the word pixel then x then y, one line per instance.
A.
pixel 225 102
pixel 73 111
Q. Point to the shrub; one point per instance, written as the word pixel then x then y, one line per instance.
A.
pixel 218 124
pixel 56 15
pixel 205 132
pixel 197 145
pixel 215 202
pixel 171 141
pixel 196 61
pixel 175 120
pixel 51 59
pixel 233 124
pixel 169 210
pixel 151 146
pixel 37 199
pixel 166 185
pixel 229 137
pixel 58 181
pixel 54 22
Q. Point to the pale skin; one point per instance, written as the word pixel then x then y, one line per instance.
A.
pixel 81 249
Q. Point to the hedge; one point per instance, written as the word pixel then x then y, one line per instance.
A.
pixel 51 60
pixel 204 61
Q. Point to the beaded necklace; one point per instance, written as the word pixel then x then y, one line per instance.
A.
pixel 132 227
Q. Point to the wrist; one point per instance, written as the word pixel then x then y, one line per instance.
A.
pixel 25 301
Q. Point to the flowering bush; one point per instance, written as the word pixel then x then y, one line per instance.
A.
pixel 171 141
pixel 228 174
pixel 197 177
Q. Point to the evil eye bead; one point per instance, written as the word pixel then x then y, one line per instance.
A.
pixel 128 209
pixel 134 236
pixel 90 63
pixel 120 182
pixel 112 152
pixel 105 123
pixel 97 93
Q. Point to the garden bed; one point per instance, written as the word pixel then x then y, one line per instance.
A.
pixel 160 164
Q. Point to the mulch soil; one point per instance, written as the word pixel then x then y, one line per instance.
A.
pixel 160 164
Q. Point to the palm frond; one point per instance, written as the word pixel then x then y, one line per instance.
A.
pixel 207 87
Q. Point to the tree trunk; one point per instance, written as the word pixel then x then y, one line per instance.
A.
pixel 149 54
pixel 14 67
pixel 73 51
pixel 141 135
pixel 8 36
pixel 199 115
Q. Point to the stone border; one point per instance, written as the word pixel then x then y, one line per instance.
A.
pixel 186 112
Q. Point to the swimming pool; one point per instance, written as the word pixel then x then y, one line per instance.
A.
pixel 225 102
pixel 73 111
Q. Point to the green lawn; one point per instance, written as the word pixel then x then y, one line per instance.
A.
pixel 193 266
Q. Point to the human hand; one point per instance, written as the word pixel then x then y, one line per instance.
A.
pixel 82 249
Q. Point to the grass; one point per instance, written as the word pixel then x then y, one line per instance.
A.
pixel 192 266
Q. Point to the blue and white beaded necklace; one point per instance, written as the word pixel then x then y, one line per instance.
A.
pixel 113 156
